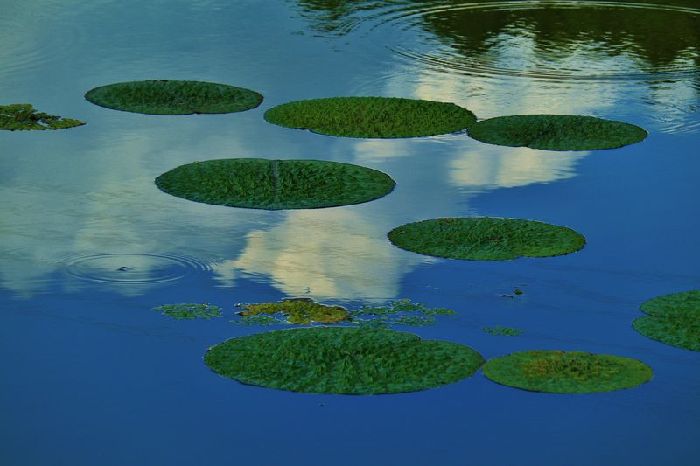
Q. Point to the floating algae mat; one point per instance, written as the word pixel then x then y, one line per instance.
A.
pixel 400 312
pixel 342 360
pixel 275 184
pixel 486 238
pixel 167 97
pixel 556 132
pixel 15 117
pixel 188 311
pixel 298 311
pixel 372 117
pixel 567 371
pixel 673 319
pixel 500 331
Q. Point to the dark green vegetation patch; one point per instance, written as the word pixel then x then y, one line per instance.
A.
pixel 400 312
pixel 297 311
pixel 556 132
pixel 189 311
pixel 567 371
pixel 500 331
pixel 485 238
pixel 372 117
pixel 673 319
pixel 342 360
pixel 15 117
pixel 275 184
pixel 164 97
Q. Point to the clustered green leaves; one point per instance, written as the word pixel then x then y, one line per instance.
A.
pixel 556 132
pixel 567 371
pixel 188 311
pixel 673 319
pixel 275 184
pixel 342 360
pixel 15 117
pixel 298 311
pixel 172 97
pixel 372 117
pixel 485 238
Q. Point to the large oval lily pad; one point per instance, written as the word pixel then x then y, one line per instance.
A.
pixel 567 371
pixel 15 117
pixel 342 360
pixel 171 97
pixel 372 117
pixel 486 238
pixel 275 184
pixel 556 132
pixel 673 319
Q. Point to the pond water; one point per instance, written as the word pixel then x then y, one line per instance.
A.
pixel 89 245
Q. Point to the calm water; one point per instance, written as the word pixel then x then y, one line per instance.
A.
pixel 91 375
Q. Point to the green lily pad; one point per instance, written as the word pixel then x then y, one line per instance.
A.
pixel 342 360
pixel 372 117
pixel 298 311
pixel 275 184
pixel 556 132
pixel 673 319
pixel 567 371
pixel 188 311
pixel 169 97
pixel 15 117
pixel 485 238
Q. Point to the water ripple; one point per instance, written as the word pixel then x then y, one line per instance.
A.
pixel 132 269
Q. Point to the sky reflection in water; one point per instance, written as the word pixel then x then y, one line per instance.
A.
pixel 88 244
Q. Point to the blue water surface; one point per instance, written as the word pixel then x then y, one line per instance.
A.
pixel 88 245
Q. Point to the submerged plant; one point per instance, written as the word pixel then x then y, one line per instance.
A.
pixel 400 312
pixel 298 311
pixel 485 238
pixel 342 360
pixel 673 319
pixel 172 97
pixel 15 117
pixel 372 117
pixel 188 311
pixel 275 184
pixel 567 371
pixel 556 132
pixel 501 331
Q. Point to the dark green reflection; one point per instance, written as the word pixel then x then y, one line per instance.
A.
pixel 646 35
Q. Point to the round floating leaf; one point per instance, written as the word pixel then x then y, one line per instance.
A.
pixel 485 238
pixel 298 311
pixel 15 117
pixel 567 371
pixel 673 319
pixel 342 360
pixel 556 132
pixel 275 184
pixel 372 117
pixel 164 97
